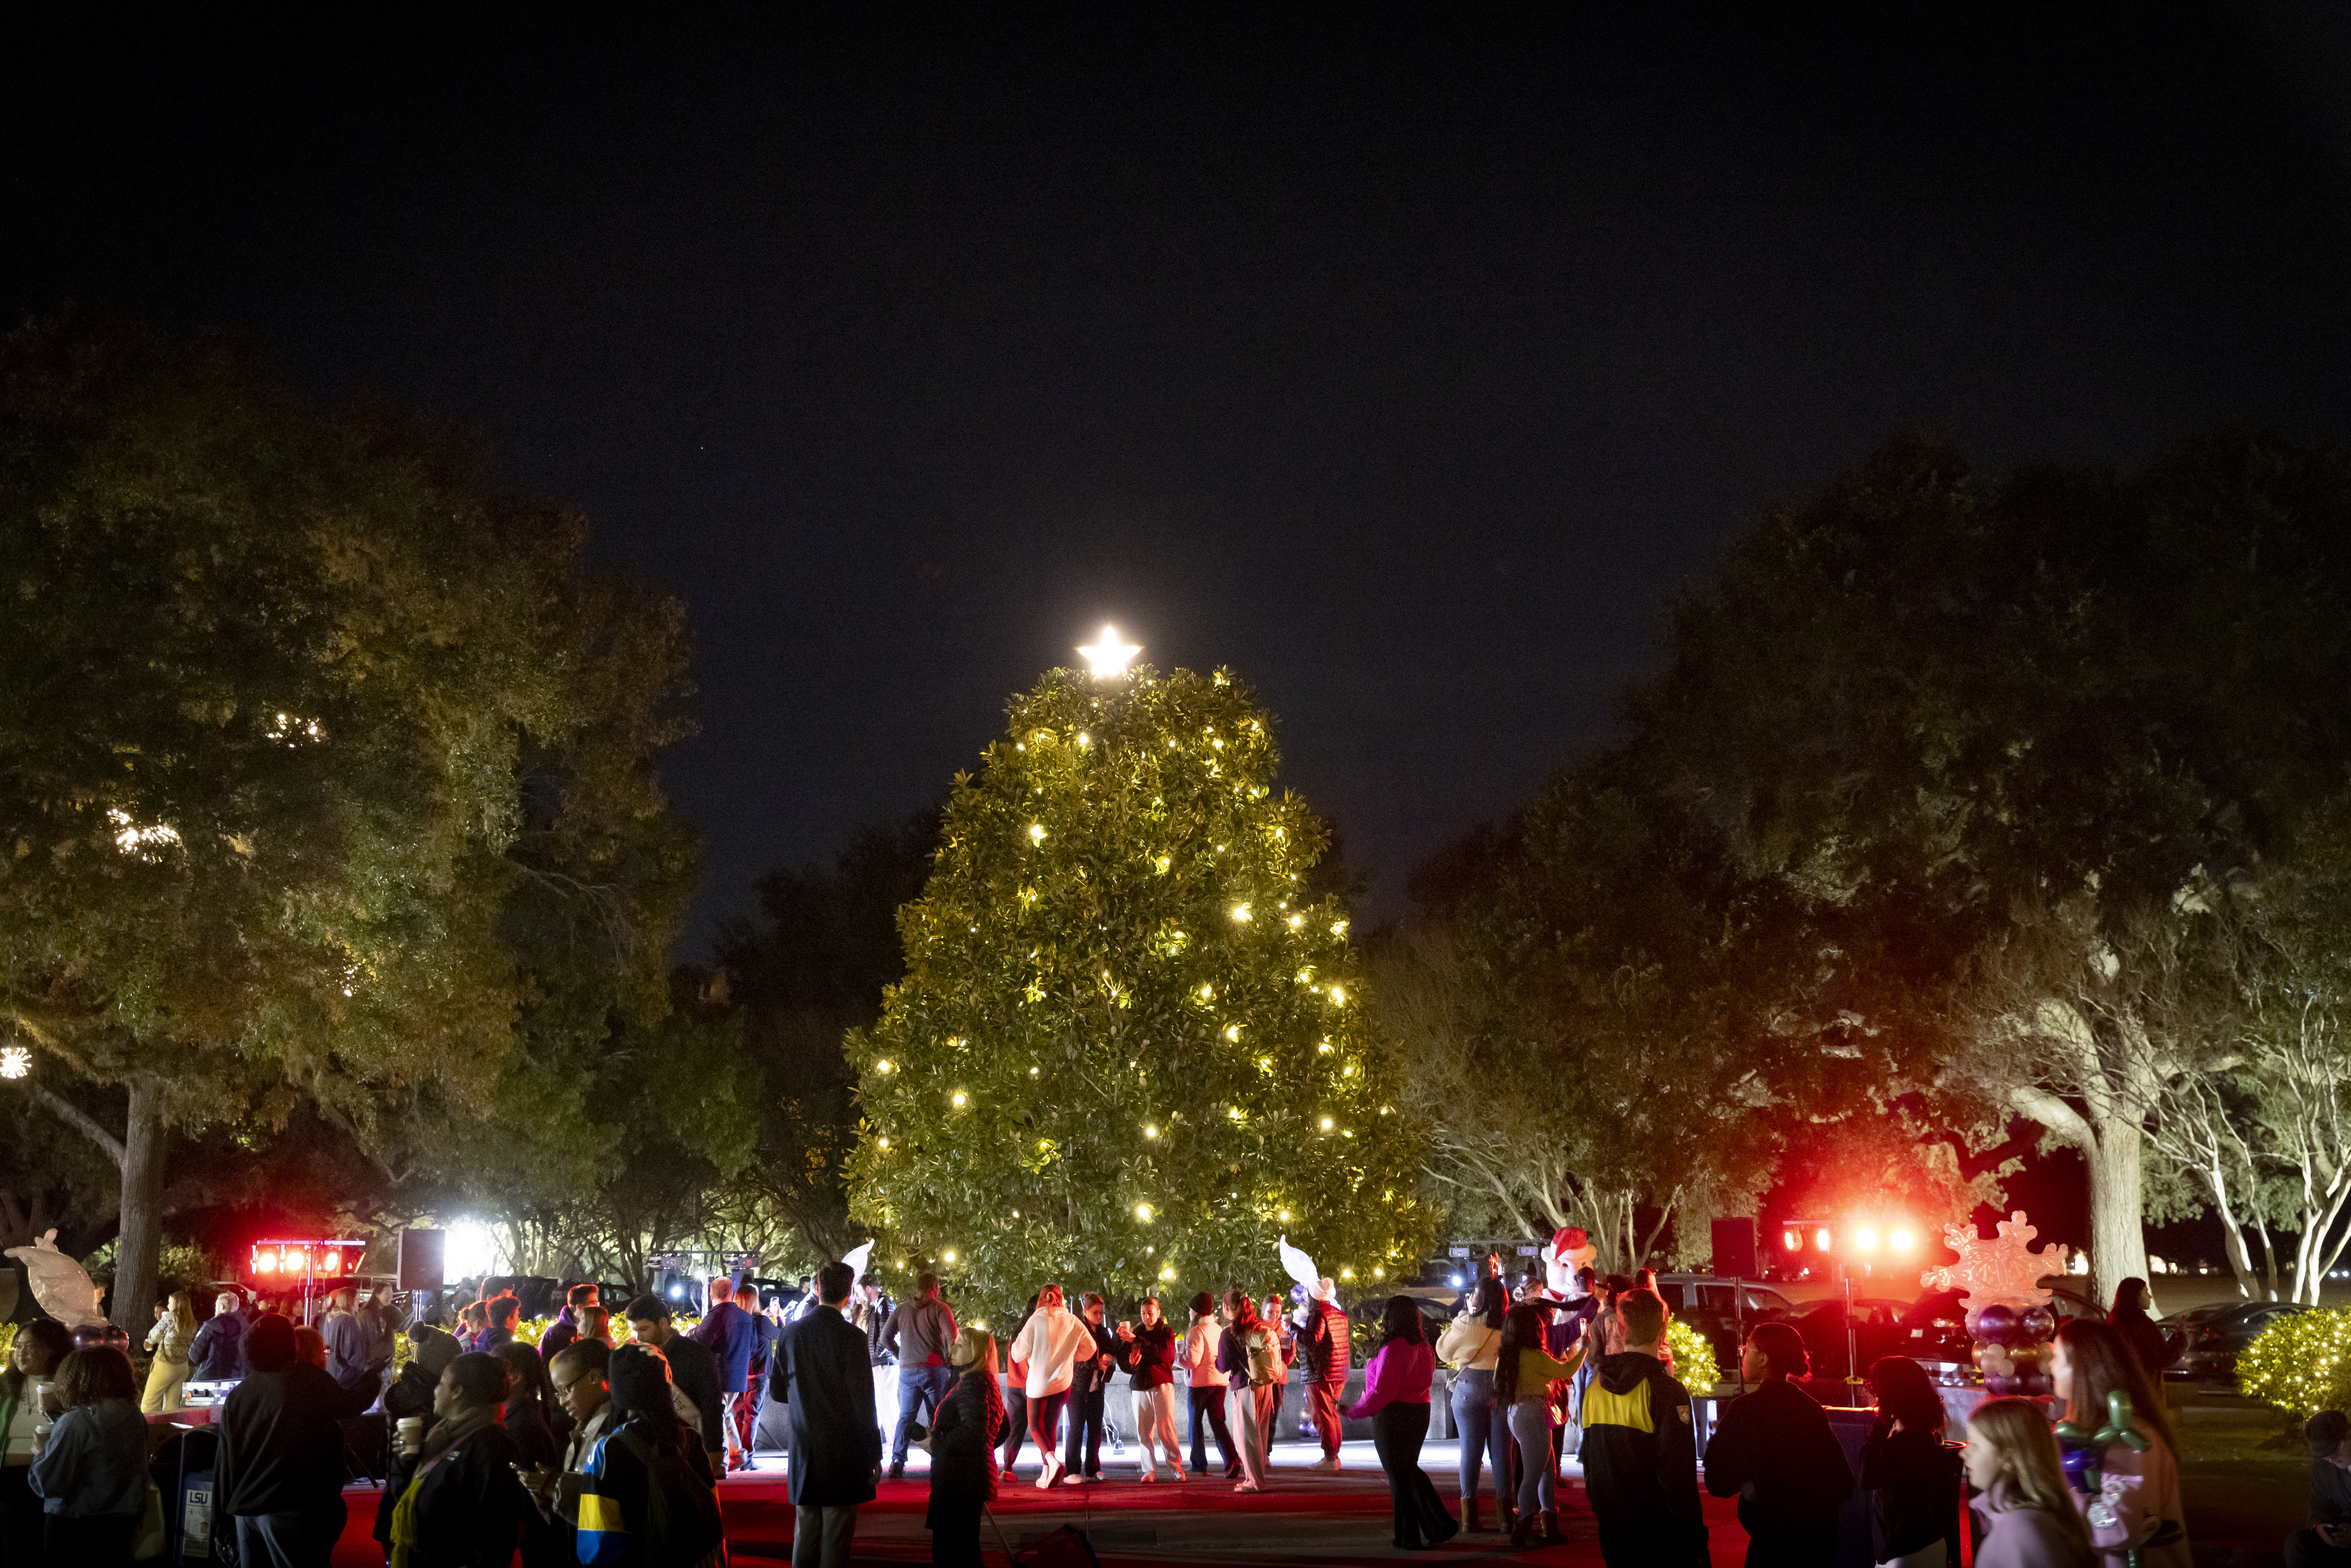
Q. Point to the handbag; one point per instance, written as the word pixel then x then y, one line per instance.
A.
pixel 149 1543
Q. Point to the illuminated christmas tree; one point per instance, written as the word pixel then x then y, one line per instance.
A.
pixel 1129 1053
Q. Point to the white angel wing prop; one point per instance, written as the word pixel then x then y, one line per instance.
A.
pixel 857 1258
pixel 1298 1265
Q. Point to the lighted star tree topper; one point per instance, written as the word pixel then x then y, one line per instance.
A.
pixel 1130 1052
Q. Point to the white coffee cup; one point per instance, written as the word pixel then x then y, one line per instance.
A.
pixel 411 1434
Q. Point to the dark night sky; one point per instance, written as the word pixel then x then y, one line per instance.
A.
pixel 1406 372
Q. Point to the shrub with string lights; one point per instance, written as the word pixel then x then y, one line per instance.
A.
pixel 2301 1362
pixel 1690 1355
pixel 1130 1051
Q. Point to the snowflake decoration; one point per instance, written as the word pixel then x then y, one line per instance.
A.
pixel 2003 1270
pixel 15 1062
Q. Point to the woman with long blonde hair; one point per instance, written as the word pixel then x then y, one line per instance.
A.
pixel 2028 1510
pixel 169 1338
pixel 969 1426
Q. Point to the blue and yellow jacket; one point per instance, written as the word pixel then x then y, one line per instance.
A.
pixel 1640 1454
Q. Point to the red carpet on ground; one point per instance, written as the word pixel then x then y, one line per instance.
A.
pixel 1327 1522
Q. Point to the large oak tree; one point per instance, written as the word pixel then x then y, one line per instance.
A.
pixel 324 771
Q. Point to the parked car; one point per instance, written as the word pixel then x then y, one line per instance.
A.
pixel 1363 1323
pixel 1716 1304
pixel 2216 1336
pixel 2069 1303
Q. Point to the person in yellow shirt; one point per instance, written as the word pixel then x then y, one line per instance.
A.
pixel 1523 1373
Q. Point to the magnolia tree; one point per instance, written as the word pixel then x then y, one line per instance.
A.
pixel 1130 1051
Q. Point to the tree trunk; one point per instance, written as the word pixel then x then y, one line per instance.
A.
pixel 2117 1206
pixel 138 1251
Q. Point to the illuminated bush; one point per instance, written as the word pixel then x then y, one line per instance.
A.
pixel 1690 1355
pixel 2301 1362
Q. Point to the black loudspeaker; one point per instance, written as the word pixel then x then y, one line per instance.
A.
pixel 1734 1248
pixel 420 1259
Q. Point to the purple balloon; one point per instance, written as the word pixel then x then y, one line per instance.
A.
pixel 1997 1324
pixel 2038 1322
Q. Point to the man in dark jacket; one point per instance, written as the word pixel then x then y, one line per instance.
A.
pixel 279 1476
pixel 821 1367
pixel 1640 1454
pixel 1322 1340
pixel 922 1334
pixel 1774 1452
pixel 691 1366
pixel 731 1335
pixel 217 1354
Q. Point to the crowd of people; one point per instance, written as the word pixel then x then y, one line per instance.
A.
pixel 578 1450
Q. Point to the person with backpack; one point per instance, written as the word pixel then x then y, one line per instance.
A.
pixel 1773 1451
pixel 1249 1355
pixel 648 1497
pixel 821 1369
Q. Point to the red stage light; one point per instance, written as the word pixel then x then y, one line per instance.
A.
pixel 265 1261
pixel 1823 1238
pixel 1865 1239
pixel 1793 1241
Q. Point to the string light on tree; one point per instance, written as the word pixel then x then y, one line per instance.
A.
pixel 1121 889
pixel 15 1062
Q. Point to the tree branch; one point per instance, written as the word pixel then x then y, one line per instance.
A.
pixel 2054 1115
pixel 74 1116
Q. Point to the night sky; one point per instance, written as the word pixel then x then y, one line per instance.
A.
pixel 1404 371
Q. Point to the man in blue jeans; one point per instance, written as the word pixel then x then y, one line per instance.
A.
pixel 921 1333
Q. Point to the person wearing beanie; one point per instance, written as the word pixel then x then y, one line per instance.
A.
pixel 411 1396
pixel 1773 1451
pixel 2327 1543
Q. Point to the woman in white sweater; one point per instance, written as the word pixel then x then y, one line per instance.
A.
pixel 1043 1355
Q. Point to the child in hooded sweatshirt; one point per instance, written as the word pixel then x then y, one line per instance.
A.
pixel 1640 1454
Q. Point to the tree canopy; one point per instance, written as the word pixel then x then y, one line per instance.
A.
pixel 325 776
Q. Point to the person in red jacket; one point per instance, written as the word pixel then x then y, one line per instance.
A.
pixel 1323 1342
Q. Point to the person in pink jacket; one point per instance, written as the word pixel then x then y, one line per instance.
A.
pixel 2136 1516
pixel 2028 1513
pixel 1396 1401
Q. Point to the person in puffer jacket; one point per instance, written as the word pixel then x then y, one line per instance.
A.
pixel 1640 1453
